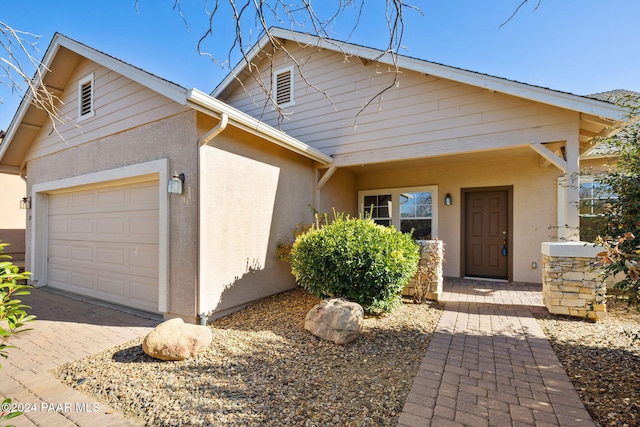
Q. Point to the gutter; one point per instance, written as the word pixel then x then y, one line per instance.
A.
pixel 206 104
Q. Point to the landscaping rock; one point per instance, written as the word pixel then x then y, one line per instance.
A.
pixel 335 320
pixel 176 340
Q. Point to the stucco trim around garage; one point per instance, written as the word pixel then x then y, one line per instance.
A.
pixel 39 196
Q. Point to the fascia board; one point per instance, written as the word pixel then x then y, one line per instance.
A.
pixel 163 87
pixel 509 87
pixel 170 90
pixel 200 100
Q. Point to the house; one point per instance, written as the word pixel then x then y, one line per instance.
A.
pixel 102 222
pixel 169 200
pixel 487 165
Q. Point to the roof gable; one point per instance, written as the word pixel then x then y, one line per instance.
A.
pixel 58 64
pixel 551 97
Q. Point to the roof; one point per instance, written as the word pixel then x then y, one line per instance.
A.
pixel 582 104
pixel 28 119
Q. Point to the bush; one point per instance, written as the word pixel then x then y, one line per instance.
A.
pixel 355 259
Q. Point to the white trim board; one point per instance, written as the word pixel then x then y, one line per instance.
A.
pixel 40 199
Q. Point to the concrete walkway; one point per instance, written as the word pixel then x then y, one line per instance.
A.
pixel 66 329
pixel 490 364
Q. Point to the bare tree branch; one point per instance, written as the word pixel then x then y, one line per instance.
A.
pixel 14 63
pixel 254 18
pixel 515 12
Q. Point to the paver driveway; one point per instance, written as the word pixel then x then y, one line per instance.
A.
pixel 66 329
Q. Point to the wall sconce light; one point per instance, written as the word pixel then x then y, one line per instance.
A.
pixel 447 200
pixel 176 182
pixel 25 203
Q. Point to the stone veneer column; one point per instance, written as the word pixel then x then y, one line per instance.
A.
pixel 571 283
pixel 436 285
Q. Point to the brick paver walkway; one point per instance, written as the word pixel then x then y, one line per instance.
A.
pixel 490 364
pixel 66 329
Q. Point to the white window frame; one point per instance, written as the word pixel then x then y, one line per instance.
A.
pixel 590 180
pixel 291 87
pixel 395 206
pixel 87 79
pixel 587 179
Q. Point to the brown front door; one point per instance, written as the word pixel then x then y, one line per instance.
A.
pixel 486 224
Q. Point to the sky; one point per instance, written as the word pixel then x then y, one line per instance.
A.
pixel 576 46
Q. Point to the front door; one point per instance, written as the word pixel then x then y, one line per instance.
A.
pixel 486 225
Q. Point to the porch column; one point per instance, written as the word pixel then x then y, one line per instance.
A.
pixel 569 193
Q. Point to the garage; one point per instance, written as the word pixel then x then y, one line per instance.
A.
pixel 103 242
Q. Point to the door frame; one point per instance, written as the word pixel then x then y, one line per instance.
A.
pixel 463 231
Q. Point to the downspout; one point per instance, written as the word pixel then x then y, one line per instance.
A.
pixel 204 140
pixel 222 125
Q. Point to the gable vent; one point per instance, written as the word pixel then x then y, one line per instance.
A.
pixel 85 103
pixel 283 87
pixel 85 97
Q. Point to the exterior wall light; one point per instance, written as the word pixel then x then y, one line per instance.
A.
pixel 25 203
pixel 176 182
pixel 447 200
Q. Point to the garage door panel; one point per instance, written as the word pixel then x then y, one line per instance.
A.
pixel 82 253
pixel 112 286
pixel 82 280
pixel 141 292
pixel 104 243
pixel 111 257
pixel 140 260
pixel 122 227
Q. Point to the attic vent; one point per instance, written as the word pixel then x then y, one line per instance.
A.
pixel 85 98
pixel 283 83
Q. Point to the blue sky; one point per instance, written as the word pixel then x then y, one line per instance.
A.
pixel 582 47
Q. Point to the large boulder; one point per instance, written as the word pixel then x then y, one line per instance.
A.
pixel 335 320
pixel 176 340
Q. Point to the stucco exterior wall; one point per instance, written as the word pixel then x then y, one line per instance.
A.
pixel 173 138
pixel 13 190
pixel 338 193
pixel 253 195
pixel 13 219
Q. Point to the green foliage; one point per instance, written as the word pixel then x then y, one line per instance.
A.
pixel 620 221
pixel 355 259
pixel 12 312
pixel 5 414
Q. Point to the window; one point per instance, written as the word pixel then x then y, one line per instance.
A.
pixel 594 197
pixel 405 208
pixel 85 98
pixel 283 87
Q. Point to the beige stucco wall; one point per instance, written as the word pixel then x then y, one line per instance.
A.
pixel 338 193
pixel 253 195
pixel 534 203
pixel 12 218
pixel 173 138
pixel 13 190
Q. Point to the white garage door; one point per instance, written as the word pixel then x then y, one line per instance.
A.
pixel 103 243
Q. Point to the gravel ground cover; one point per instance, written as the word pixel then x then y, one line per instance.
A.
pixel 603 361
pixel 263 368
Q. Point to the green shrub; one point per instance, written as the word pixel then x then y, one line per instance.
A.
pixel 355 259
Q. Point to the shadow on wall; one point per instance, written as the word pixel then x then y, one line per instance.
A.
pixel 257 282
